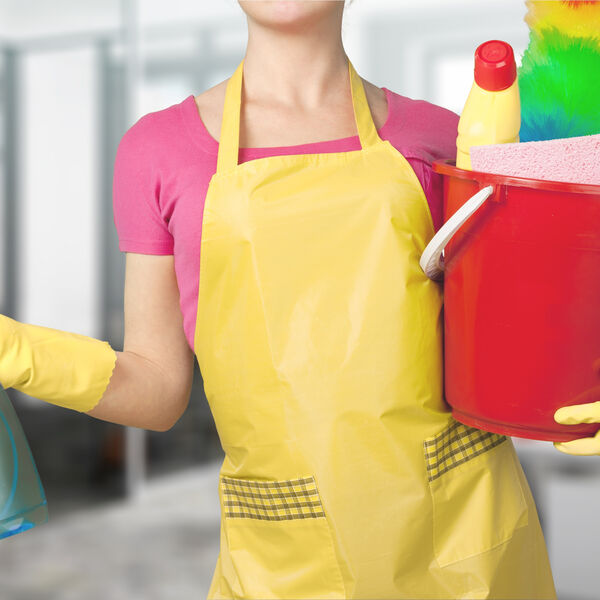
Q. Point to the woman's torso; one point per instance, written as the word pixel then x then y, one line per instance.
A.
pixel 165 161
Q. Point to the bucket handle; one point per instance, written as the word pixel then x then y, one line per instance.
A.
pixel 430 261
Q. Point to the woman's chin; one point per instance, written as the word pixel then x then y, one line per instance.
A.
pixel 288 14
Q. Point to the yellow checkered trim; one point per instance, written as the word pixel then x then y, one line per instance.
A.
pixel 456 444
pixel 271 500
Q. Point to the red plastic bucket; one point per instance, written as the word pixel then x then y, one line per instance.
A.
pixel 521 301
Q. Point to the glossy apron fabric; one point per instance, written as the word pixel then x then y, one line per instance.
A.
pixel 319 340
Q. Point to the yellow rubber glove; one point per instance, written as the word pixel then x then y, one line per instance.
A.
pixel 572 415
pixel 59 367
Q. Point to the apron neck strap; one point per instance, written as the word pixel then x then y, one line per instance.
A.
pixel 229 137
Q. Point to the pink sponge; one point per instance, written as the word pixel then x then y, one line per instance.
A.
pixel 574 159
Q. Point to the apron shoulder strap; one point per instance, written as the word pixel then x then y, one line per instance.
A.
pixel 229 137
pixel 367 132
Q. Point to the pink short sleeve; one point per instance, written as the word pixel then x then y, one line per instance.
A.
pixel 139 222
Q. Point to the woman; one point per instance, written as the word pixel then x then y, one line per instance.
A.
pixel 285 257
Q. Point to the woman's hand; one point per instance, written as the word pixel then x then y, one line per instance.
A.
pixel 572 415
pixel 60 367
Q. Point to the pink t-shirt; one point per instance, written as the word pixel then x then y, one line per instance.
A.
pixel 165 160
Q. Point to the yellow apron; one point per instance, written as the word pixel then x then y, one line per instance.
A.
pixel 320 342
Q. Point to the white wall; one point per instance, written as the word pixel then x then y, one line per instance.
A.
pixel 58 211
pixel 20 19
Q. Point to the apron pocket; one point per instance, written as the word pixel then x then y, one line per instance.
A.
pixel 279 540
pixel 478 500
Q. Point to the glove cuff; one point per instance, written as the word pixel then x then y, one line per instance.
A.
pixel 63 368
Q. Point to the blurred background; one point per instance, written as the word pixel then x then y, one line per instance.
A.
pixel 135 514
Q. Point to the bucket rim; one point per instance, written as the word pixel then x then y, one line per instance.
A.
pixel 447 166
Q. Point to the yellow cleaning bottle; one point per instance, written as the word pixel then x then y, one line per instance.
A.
pixel 492 113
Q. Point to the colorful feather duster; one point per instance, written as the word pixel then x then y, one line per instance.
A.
pixel 559 76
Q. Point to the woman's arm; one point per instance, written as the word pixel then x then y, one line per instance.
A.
pixel 152 380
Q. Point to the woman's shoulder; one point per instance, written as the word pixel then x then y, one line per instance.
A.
pixel 423 110
pixel 209 107
pixel 155 129
pixel 421 129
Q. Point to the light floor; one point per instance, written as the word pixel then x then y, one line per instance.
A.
pixel 161 547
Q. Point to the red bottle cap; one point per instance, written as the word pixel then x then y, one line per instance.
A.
pixel 495 67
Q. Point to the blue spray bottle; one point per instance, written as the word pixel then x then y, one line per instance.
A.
pixel 22 499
